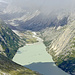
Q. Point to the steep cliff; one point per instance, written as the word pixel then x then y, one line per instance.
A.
pixel 63 49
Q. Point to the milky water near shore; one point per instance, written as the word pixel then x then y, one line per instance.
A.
pixel 35 57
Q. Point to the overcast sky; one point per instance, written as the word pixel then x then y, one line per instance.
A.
pixel 43 4
pixel 49 3
pixel 7 1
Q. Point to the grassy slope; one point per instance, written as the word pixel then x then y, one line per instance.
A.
pixel 9 67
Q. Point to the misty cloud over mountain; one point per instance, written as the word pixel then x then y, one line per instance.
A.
pixel 44 5
pixel 37 14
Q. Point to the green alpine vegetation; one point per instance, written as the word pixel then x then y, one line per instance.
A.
pixel 9 44
pixel 9 41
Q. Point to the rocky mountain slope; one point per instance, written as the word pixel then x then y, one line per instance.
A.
pixel 9 41
pixel 9 44
pixel 60 44
pixel 63 49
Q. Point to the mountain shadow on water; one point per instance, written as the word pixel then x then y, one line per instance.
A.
pixel 47 68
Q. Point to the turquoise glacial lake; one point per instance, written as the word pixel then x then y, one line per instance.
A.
pixel 35 57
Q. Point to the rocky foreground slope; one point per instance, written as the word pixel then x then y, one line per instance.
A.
pixel 8 67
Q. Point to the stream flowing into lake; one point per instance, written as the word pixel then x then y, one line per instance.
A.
pixel 35 57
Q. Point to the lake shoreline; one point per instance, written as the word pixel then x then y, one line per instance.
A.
pixel 35 57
